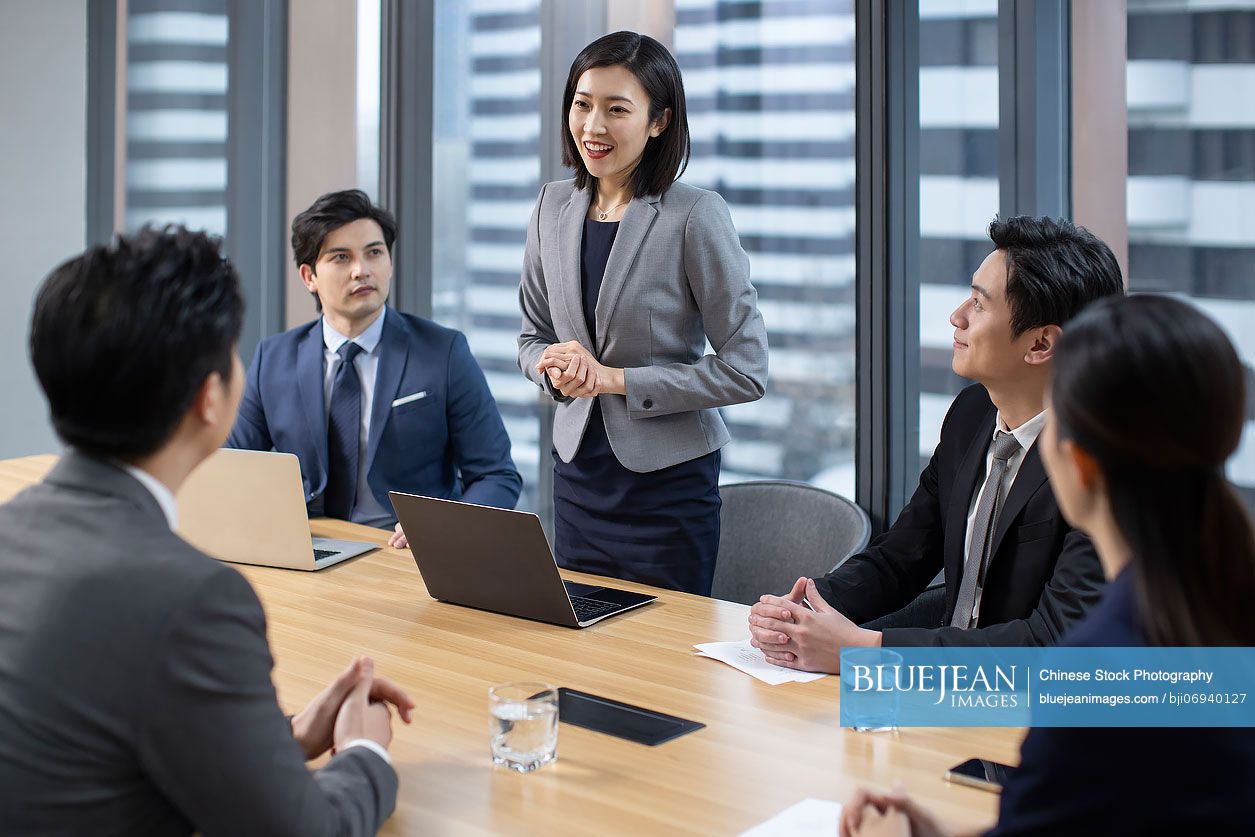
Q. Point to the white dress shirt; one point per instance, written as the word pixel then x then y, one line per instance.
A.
pixel 157 488
pixel 366 509
pixel 170 508
pixel 1026 434
pixel 374 746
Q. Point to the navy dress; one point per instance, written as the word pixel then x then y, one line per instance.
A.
pixel 1128 780
pixel 660 527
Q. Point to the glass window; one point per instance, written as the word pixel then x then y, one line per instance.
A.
pixel 1191 186
pixel 958 190
pixel 176 114
pixel 369 21
pixel 770 90
pixel 487 114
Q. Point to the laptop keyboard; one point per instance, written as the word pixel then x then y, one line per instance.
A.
pixel 320 554
pixel 586 609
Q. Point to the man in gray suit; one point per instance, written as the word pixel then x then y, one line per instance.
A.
pixel 135 692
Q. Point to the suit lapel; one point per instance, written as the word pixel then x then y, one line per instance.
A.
pixel 394 353
pixel 637 220
pixel 309 384
pixel 571 238
pixel 1027 480
pixel 971 473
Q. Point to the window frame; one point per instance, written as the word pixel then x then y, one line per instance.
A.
pixel 256 147
pixel 1035 174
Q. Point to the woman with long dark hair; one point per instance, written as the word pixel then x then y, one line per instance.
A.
pixel 1147 403
pixel 627 275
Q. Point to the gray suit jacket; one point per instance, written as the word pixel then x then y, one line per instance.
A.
pixel 676 277
pixel 135 692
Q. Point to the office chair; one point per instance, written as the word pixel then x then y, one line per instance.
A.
pixel 774 531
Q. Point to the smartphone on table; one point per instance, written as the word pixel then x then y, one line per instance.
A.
pixel 980 773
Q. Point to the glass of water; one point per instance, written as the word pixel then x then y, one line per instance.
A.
pixel 869 698
pixel 524 725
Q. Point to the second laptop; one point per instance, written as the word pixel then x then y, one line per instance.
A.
pixel 499 560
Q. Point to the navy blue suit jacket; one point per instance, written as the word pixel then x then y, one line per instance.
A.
pixel 1128 780
pixel 420 447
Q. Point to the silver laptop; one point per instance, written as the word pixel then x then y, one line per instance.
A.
pixel 499 560
pixel 248 507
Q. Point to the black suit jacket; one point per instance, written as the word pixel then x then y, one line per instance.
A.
pixel 135 693
pixel 1042 576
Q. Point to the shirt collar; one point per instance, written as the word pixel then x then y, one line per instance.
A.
pixel 1026 434
pixel 368 339
pixel 163 495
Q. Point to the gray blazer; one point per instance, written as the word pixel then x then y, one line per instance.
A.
pixel 676 277
pixel 135 693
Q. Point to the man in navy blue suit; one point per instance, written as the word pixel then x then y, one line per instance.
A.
pixel 371 400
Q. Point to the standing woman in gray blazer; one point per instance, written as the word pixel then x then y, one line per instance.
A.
pixel 627 274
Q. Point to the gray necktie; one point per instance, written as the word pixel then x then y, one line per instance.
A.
pixel 1003 447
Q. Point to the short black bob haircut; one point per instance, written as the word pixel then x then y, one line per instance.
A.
pixel 327 214
pixel 666 156
pixel 1054 269
pixel 124 335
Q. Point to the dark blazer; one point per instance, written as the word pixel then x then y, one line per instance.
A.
pixel 419 447
pixel 1042 576
pixel 135 692
pixel 1129 780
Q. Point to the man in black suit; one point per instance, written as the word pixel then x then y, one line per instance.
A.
pixel 135 692
pixel 1016 573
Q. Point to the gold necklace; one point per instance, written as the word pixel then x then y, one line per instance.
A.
pixel 601 216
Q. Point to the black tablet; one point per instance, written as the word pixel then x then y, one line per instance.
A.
pixel 622 720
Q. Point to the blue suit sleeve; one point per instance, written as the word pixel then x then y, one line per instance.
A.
pixel 251 432
pixel 481 447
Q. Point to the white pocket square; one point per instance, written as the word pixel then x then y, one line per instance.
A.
pixel 406 399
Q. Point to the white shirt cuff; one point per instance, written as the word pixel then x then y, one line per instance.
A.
pixel 373 746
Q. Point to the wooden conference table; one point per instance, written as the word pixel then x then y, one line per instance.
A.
pixel 763 749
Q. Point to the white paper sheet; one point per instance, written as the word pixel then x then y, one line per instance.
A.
pixel 806 818
pixel 745 657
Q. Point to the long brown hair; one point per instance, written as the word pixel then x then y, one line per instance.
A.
pixel 1154 391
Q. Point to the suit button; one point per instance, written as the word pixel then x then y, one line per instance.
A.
pixel 648 403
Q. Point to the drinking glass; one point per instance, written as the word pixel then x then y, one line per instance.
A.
pixel 870 710
pixel 524 725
